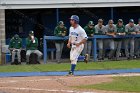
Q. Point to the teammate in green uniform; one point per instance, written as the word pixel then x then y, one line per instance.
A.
pixel 15 47
pixel 61 31
pixel 90 30
pixel 32 46
pixel 118 41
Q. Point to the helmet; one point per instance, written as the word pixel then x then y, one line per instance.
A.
pixel 75 17
pixel 131 20
pixel 60 23
pixel 90 23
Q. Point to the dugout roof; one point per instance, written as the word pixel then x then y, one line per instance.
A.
pixel 33 4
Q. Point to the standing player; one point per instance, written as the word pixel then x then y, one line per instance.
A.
pixel 118 41
pixel 61 31
pixel 100 30
pixel 90 30
pixel 130 30
pixel 137 41
pixel 110 31
pixel 77 38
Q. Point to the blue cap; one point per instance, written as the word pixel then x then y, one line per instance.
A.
pixel 75 17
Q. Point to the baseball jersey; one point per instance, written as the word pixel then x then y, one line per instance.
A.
pixel 138 27
pixel 89 31
pixel 130 29
pixel 15 43
pixel 120 29
pixel 99 30
pixel 76 35
pixel 110 29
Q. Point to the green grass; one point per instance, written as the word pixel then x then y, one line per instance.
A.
pixel 66 66
pixel 126 84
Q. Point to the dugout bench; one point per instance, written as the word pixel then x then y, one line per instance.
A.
pixel 94 39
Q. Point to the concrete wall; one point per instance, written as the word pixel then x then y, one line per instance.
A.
pixel 2 29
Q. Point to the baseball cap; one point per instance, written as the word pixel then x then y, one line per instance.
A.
pixel 120 20
pixel 31 32
pixel 131 20
pixel 90 23
pixel 60 23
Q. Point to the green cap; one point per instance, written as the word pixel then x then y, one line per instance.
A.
pixel 131 20
pixel 90 23
pixel 60 23
pixel 31 32
pixel 120 20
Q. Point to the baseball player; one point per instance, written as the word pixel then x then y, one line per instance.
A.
pixel 15 47
pixel 90 30
pixel 32 46
pixel 60 31
pixel 110 31
pixel 137 41
pixel 118 41
pixel 130 29
pixel 100 30
pixel 77 39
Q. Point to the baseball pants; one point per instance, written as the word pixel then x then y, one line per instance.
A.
pixel 127 42
pixel 33 51
pixel 75 52
pixel 14 53
pixel 59 49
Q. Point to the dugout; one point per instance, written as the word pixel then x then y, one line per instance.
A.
pixel 42 16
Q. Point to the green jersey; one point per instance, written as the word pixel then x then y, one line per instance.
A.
pixel 119 29
pixel 15 43
pixel 58 31
pixel 89 31
pixel 30 45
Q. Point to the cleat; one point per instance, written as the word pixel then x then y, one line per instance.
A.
pixel 86 58
pixel 70 74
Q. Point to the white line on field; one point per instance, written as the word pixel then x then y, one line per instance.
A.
pixel 48 90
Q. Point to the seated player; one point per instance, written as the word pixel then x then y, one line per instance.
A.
pixel 32 46
pixel 15 48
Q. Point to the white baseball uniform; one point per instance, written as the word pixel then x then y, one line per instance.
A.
pixel 76 35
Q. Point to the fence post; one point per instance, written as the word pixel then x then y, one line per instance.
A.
pixel 95 49
pixel 45 49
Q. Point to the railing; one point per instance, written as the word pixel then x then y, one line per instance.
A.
pixel 94 38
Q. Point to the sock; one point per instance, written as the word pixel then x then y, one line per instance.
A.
pixel 73 67
pixel 81 58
